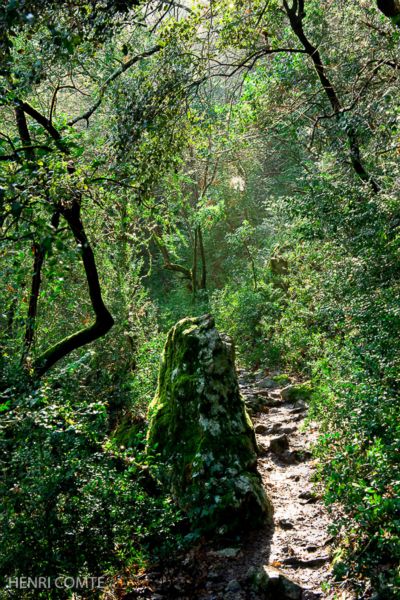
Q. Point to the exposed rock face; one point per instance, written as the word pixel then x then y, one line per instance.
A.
pixel 202 434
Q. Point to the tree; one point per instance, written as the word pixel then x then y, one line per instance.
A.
pixel 46 152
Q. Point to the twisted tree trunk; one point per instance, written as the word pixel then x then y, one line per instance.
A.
pixel 103 319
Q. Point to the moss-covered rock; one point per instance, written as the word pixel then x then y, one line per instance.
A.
pixel 201 434
pixel 297 392
pixel 281 379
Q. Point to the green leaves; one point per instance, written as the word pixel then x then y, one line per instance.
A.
pixel 63 487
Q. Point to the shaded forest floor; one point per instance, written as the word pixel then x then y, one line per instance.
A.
pixel 296 551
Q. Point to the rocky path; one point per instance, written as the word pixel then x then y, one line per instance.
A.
pixel 299 545
pixel 291 561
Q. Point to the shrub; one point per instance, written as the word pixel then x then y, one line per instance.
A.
pixel 248 316
pixel 69 506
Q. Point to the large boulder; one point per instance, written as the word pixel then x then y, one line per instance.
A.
pixel 200 434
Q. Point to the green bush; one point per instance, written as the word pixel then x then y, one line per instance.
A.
pixel 177 303
pixel 359 464
pixel 249 316
pixel 70 506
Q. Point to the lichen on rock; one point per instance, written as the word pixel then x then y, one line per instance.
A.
pixel 200 434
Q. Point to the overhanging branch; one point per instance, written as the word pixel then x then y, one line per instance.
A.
pixel 86 115
pixel 44 122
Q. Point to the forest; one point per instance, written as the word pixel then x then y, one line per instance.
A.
pixel 200 299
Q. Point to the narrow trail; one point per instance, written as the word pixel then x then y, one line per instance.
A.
pixel 298 544
pixel 296 550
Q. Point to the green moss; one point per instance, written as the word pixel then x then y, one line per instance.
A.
pixel 128 431
pixel 298 392
pixel 281 379
pixel 201 433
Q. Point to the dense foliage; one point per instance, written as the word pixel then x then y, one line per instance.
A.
pixel 160 160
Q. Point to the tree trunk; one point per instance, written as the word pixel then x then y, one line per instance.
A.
pixel 23 132
pixel 203 281
pixel 103 321
pixel 194 268
pixel 170 266
pixel 39 254
pixel 37 249
pixel 296 15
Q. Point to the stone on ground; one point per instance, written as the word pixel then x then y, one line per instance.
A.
pixel 200 434
pixel 270 584
pixel 279 444
pixel 297 392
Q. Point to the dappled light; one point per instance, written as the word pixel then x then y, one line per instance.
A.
pixel 199 299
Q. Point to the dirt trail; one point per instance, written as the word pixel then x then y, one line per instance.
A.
pixel 298 546
pixel 299 543
pixel 295 550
